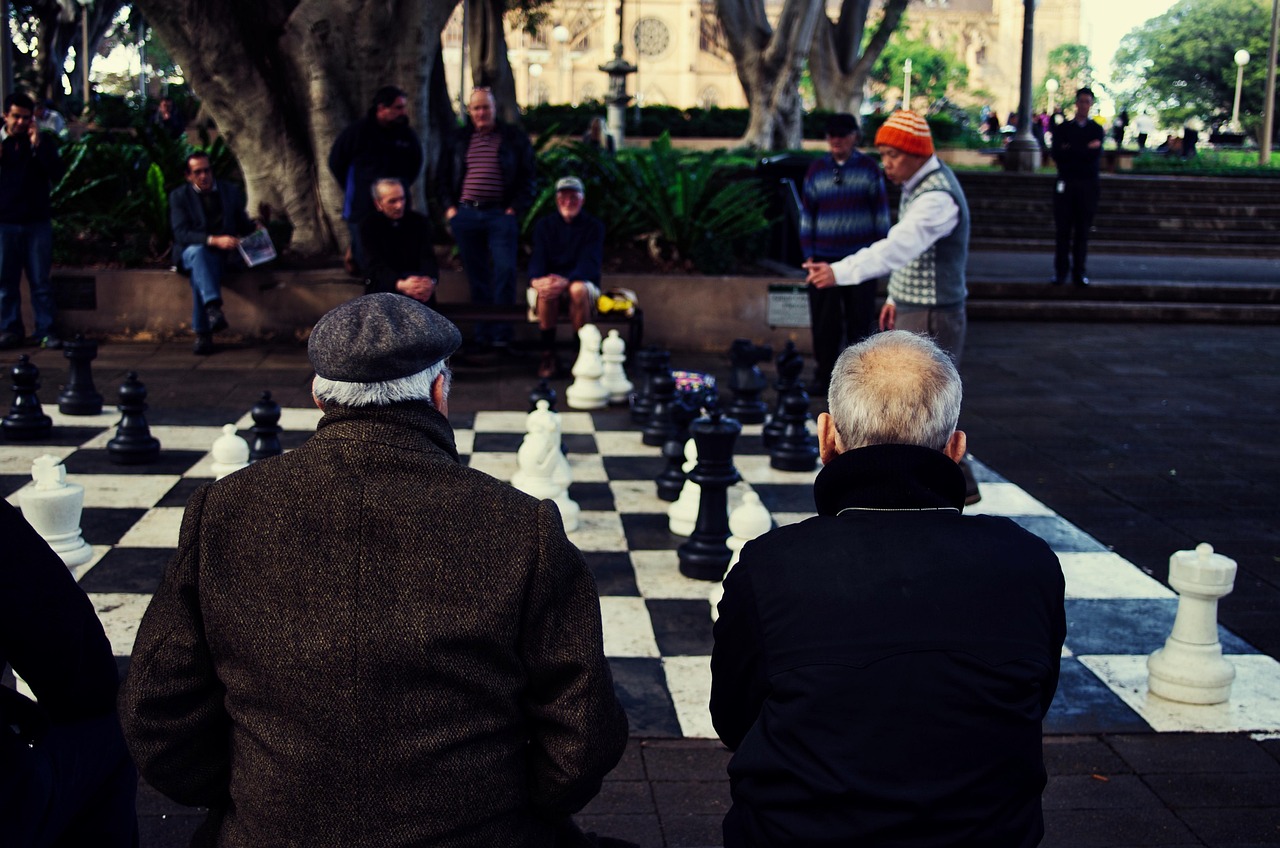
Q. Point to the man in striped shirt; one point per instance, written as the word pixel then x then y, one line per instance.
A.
pixel 486 183
pixel 846 208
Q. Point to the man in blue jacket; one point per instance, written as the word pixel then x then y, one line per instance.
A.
pixel 881 670
pixel 208 219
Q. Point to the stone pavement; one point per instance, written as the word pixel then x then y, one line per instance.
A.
pixel 1149 437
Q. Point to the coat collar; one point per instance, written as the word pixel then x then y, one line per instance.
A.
pixel 889 477
pixel 412 425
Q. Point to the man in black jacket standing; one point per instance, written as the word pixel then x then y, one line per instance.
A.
pixel 486 185
pixel 381 144
pixel 1077 151
pixel 881 670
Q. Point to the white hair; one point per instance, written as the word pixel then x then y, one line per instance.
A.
pixel 376 187
pixel 414 387
pixel 894 388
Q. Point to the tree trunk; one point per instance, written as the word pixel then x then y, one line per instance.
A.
pixel 838 65
pixel 769 64
pixel 487 41
pixel 282 78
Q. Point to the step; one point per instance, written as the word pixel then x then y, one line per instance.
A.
pixel 1123 311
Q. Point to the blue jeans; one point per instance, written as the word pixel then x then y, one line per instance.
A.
pixel 487 246
pixel 26 247
pixel 206 265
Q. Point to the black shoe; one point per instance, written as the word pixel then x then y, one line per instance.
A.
pixel 1057 281
pixel 203 345
pixel 48 341
pixel 1080 281
pixel 217 321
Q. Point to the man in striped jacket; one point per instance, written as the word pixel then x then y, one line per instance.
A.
pixel 846 208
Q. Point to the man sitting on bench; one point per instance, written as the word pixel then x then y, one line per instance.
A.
pixel 567 251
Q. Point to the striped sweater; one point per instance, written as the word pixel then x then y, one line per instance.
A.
pixel 846 207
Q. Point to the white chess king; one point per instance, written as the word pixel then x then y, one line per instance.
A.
pixel 53 507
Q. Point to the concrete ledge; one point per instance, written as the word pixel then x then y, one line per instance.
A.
pixel 681 312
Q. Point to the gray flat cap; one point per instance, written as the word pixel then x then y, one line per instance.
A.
pixel 379 337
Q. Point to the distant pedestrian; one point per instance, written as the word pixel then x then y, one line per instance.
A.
pixel 380 144
pixel 1191 136
pixel 1118 127
pixel 50 119
pixel 1145 126
pixel 597 136
pixel 1077 151
pixel 168 119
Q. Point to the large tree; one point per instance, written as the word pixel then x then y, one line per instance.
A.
pixel 1182 61
pixel 55 27
pixel 843 57
pixel 283 77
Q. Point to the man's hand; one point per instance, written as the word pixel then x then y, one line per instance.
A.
pixel 417 287
pixel 888 316
pixel 224 242
pixel 1095 144
pixel 33 133
pixel 820 274
pixel 549 287
pixel 450 212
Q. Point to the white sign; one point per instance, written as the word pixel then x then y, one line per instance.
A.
pixel 788 305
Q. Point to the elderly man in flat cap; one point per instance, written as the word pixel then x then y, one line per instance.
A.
pixel 925 253
pixel 364 642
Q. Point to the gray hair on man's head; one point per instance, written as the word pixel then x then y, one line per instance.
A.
pixel 378 185
pixel 894 388
pixel 414 387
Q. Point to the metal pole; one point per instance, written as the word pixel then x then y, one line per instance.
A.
pixel 1269 104
pixel 906 84
pixel 1235 109
pixel 6 53
pixel 1023 152
pixel 84 49
pixel 462 66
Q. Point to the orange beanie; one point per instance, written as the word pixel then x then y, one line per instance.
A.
pixel 908 132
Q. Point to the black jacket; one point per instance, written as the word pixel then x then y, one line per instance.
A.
pixel 365 152
pixel 515 158
pixel 882 670
pixel 187 219
pixel 1071 151
pixel 397 249
pixel 27 175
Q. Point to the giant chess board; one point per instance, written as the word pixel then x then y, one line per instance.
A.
pixel 657 625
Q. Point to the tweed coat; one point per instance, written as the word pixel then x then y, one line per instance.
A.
pixel 364 642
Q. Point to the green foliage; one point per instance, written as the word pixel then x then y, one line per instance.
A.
pixel 1216 163
pixel 1182 61
pixel 934 72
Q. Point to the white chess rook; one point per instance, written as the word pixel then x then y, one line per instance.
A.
pixel 586 391
pixel 53 507
pixel 613 353
pixel 1190 667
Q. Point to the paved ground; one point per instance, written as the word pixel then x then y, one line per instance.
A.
pixel 1150 438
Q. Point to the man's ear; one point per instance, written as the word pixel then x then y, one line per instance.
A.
pixel 439 397
pixel 957 446
pixel 829 446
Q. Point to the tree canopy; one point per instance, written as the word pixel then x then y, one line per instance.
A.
pixel 1182 62
pixel 934 71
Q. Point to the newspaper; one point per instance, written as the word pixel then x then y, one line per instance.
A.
pixel 257 248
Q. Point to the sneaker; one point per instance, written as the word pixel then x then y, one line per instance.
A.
pixel 217 321
pixel 203 345
pixel 8 341
pixel 49 341
pixel 549 366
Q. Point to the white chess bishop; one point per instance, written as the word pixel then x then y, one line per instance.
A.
pixel 748 521
pixel 53 507
pixel 542 469
pixel 230 452
pixel 586 391
pixel 613 353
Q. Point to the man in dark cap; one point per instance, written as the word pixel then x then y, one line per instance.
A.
pixel 845 208
pixel 365 642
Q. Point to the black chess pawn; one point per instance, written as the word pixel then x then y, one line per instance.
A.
pixel 26 421
pixel 266 429
pixel 652 361
pixel 795 449
pixel 683 411
pixel 789 363
pixel 747 381
pixel 706 555
pixel 657 428
pixel 133 443
pixel 79 397
pixel 542 391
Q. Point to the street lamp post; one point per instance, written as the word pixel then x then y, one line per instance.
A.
pixel 906 84
pixel 617 68
pixel 561 36
pixel 1051 87
pixel 535 71
pixel 1269 100
pixel 1023 152
pixel 1242 59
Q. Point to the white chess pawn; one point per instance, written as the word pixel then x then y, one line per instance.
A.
pixel 1190 667
pixel 586 392
pixel 682 515
pixel 230 452
pixel 613 352
pixel 53 507
pixel 749 520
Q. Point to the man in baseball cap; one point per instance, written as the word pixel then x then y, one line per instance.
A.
pixel 568 248
pixel 925 253
pixel 366 642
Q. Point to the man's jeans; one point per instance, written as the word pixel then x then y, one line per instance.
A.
pixel 26 247
pixel 206 265
pixel 487 246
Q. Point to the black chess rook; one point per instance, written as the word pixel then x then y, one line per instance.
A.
pixel 706 555
pixel 133 443
pixel 657 428
pixel 26 421
pixel 266 429
pixel 79 397
pixel 683 412
pixel 652 362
